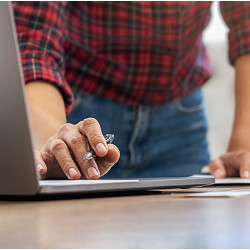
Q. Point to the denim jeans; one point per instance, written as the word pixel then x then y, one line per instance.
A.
pixel 168 140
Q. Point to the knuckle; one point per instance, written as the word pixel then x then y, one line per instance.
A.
pixel 48 157
pixel 86 165
pixel 76 140
pixel 66 166
pixel 96 138
pixel 89 122
pixel 217 161
pixel 57 145
pixel 243 154
pixel 214 165
pixel 65 128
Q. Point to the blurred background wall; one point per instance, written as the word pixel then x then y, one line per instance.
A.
pixel 219 90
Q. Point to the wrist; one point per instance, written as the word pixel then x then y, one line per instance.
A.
pixel 46 111
pixel 240 139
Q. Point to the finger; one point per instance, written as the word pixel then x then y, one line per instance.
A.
pixel 105 163
pixel 92 130
pixel 91 170
pixel 61 152
pixel 217 168
pixel 245 166
pixel 78 144
pixel 232 162
pixel 40 164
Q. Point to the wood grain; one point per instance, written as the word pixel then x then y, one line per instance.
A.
pixel 145 221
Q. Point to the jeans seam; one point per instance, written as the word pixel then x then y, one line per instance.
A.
pixel 134 135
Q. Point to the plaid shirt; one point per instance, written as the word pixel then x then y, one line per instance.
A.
pixel 140 53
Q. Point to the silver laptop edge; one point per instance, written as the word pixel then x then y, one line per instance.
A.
pixel 16 142
pixel 18 175
pixel 127 184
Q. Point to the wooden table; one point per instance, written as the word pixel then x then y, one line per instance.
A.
pixel 152 220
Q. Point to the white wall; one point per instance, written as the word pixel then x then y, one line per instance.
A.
pixel 219 90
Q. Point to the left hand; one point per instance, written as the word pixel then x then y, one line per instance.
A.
pixel 234 163
pixel 237 161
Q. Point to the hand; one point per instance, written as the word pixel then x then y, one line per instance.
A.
pixel 235 163
pixel 62 155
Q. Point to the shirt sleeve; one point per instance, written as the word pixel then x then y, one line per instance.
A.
pixel 237 17
pixel 41 35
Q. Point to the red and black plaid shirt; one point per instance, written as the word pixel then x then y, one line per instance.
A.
pixel 141 53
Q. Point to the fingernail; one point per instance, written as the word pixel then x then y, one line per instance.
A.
pixel 218 173
pixel 39 167
pixel 101 148
pixel 72 172
pixel 92 172
pixel 246 174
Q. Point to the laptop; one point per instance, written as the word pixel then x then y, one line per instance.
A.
pixel 18 174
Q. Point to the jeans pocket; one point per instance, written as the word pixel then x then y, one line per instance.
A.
pixel 191 103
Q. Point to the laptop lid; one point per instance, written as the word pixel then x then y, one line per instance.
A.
pixel 17 172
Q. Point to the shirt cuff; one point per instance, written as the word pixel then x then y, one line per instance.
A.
pixel 239 42
pixel 37 66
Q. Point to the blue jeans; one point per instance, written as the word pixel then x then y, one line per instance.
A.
pixel 169 140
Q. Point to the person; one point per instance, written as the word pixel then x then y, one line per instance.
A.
pixel 134 69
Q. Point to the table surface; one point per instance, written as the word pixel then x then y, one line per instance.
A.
pixel 152 220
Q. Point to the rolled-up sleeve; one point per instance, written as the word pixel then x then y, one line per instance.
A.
pixel 237 17
pixel 41 35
